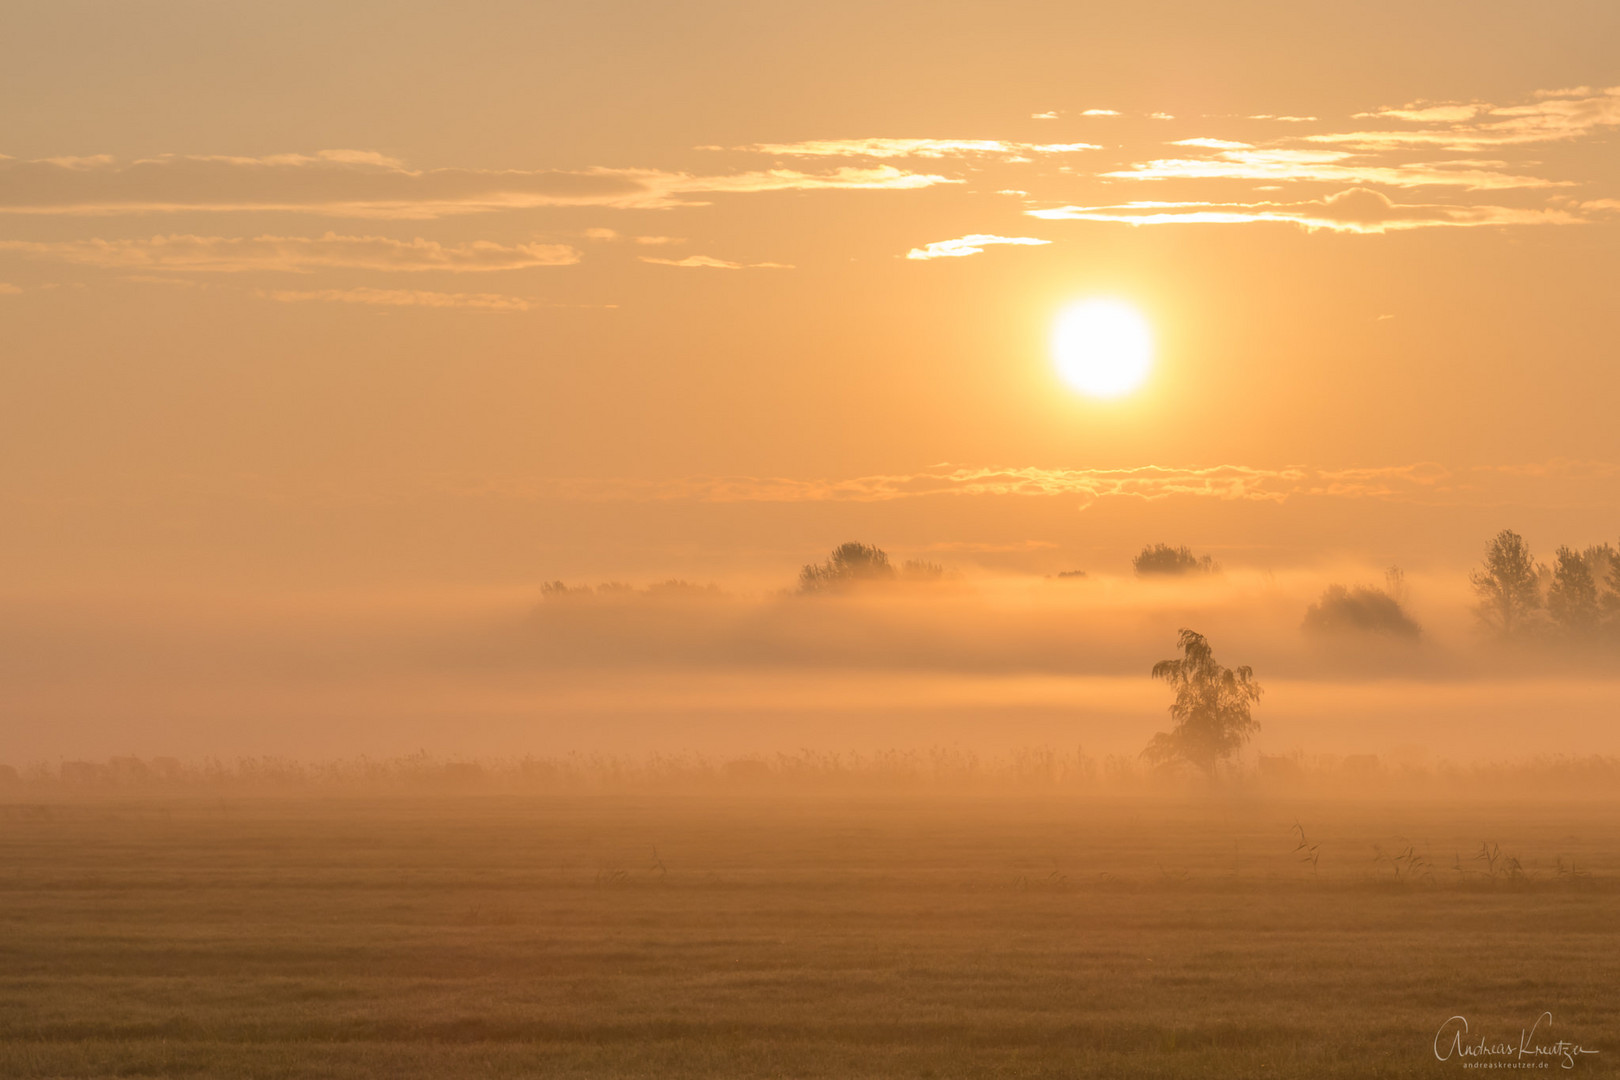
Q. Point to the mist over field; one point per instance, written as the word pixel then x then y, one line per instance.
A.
pixel 981 661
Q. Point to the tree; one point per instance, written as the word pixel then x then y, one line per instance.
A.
pixel 1610 601
pixel 1211 710
pixel 1164 559
pixel 1572 599
pixel 849 564
pixel 1508 586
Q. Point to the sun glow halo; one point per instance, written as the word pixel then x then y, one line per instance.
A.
pixel 1102 348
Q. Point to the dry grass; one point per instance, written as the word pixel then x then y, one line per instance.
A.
pixel 749 936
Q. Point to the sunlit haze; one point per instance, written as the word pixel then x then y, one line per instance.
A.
pixel 334 336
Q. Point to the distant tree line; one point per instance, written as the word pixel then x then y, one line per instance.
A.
pixel 674 588
pixel 1578 597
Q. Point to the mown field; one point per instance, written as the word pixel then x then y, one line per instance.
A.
pixel 666 936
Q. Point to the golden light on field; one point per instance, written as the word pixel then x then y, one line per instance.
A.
pixel 1103 348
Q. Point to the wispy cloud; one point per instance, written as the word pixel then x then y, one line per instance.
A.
pixel 1284 165
pixel 972 244
pixel 1100 112
pixel 1555 116
pixel 1224 482
pixel 404 298
pixel 1358 210
pixel 296 254
pixel 708 262
pixel 1214 144
pixel 360 184
pixel 913 148
pixel 8 289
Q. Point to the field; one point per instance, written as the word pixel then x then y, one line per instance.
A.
pixel 755 935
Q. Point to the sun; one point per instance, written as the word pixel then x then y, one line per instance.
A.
pixel 1103 348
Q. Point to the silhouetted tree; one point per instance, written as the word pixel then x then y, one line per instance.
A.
pixel 1572 598
pixel 849 564
pixel 1211 710
pixel 1610 600
pixel 1508 585
pixel 1600 559
pixel 1164 559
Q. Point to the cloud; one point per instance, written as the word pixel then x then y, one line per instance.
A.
pixel 1284 119
pixel 405 298
pixel 1214 144
pixel 1225 482
pixel 296 254
pixel 1273 165
pixel 711 263
pixel 972 244
pixel 1356 210
pixel 920 148
pixel 1554 116
pixel 1044 115
pixel 1100 112
pixel 361 184
pixel 8 289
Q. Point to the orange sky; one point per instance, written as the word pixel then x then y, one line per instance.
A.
pixel 399 289
pixel 416 298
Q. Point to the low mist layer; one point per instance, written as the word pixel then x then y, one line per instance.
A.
pixel 1352 660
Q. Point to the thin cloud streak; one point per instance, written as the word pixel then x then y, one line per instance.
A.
pixel 404 298
pixel 358 184
pixel 1327 166
pixel 296 254
pixel 915 148
pixel 710 263
pixel 1556 116
pixel 972 244
pixel 1149 483
pixel 1358 210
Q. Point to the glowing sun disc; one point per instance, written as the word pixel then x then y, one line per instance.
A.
pixel 1103 348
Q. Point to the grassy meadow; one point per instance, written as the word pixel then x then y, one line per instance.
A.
pixel 754 934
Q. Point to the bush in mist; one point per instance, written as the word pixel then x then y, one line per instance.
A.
pixel 1164 559
pixel 1211 710
pixel 918 570
pixel 1363 609
pixel 850 564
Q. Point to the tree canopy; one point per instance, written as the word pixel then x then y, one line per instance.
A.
pixel 1164 559
pixel 1211 710
pixel 1508 585
pixel 849 564
pixel 1572 598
